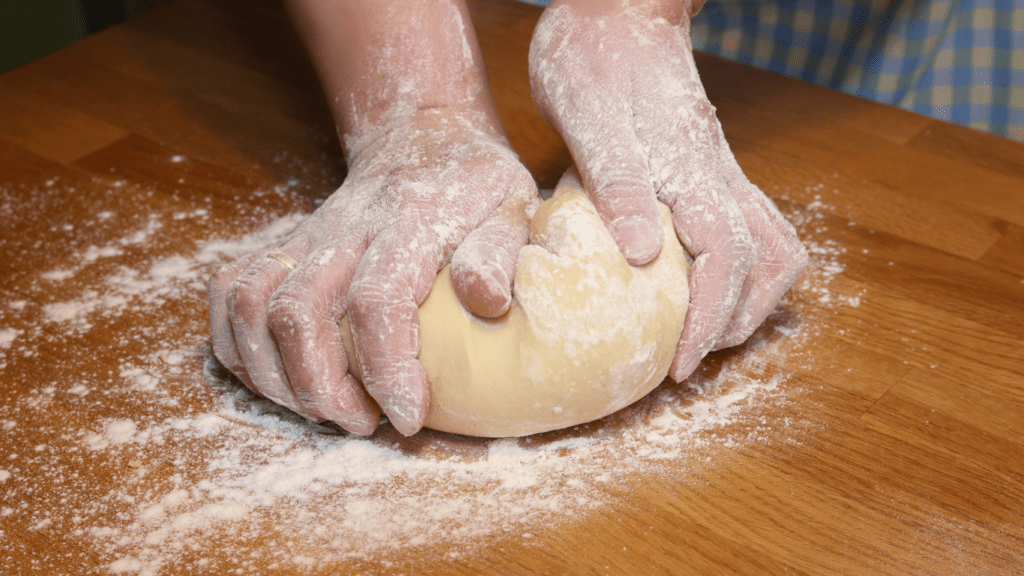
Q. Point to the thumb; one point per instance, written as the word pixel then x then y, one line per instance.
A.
pixel 483 266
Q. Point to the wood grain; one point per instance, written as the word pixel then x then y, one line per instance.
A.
pixel 894 445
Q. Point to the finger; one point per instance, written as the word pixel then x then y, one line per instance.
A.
pixel 393 277
pixel 222 337
pixel 781 257
pixel 483 266
pixel 713 230
pixel 617 179
pixel 709 223
pixel 597 129
pixel 247 299
pixel 303 316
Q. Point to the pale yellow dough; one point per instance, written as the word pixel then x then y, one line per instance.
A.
pixel 587 334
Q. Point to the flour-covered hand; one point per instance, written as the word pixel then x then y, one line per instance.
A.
pixel 432 181
pixel 430 190
pixel 619 83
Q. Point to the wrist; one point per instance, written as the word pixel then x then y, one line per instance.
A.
pixel 381 61
pixel 674 11
pixel 423 129
pixel 407 89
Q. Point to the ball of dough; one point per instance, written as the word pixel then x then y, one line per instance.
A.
pixel 587 334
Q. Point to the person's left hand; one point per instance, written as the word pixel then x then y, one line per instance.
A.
pixel 620 85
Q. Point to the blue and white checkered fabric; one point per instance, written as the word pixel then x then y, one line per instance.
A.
pixel 958 60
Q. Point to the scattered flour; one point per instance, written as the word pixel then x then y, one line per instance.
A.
pixel 7 336
pixel 192 462
pixel 79 389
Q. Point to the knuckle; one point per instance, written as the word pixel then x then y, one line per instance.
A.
pixel 621 185
pixel 272 382
pixel 795 256
pixel 802 257
pixel 704 108
pixel 742 252
pixel 396 282
pixel 521 183
pixel 787 253
pixel 371 294
pixel 287 313
pixel 307 397
pixel 677 184
pixel 745 243
pixel 220 280
pixel 245 294
pixel 414 201
pixel 225 355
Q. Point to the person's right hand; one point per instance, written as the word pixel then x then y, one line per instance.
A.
pixel 432 180
pixel 428 189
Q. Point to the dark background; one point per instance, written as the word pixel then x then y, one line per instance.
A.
pixel 32 28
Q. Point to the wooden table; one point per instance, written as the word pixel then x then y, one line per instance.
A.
pixel 881 413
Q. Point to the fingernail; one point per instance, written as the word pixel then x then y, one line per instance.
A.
pixel 404 410
pixel 639 240
pixel 500 282
pixel 407 424
pixel 501 297
pixel 361 424
pixel 683 371
pixel 489 294
pixel 350 407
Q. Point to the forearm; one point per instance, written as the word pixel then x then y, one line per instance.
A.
pixel 380 60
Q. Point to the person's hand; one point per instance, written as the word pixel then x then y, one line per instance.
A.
pixel 431 180
pixel 428 189
pixel 621 87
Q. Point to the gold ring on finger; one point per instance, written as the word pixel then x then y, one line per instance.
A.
pixel 284 259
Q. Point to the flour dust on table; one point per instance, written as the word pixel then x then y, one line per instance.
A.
pixel 167 465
